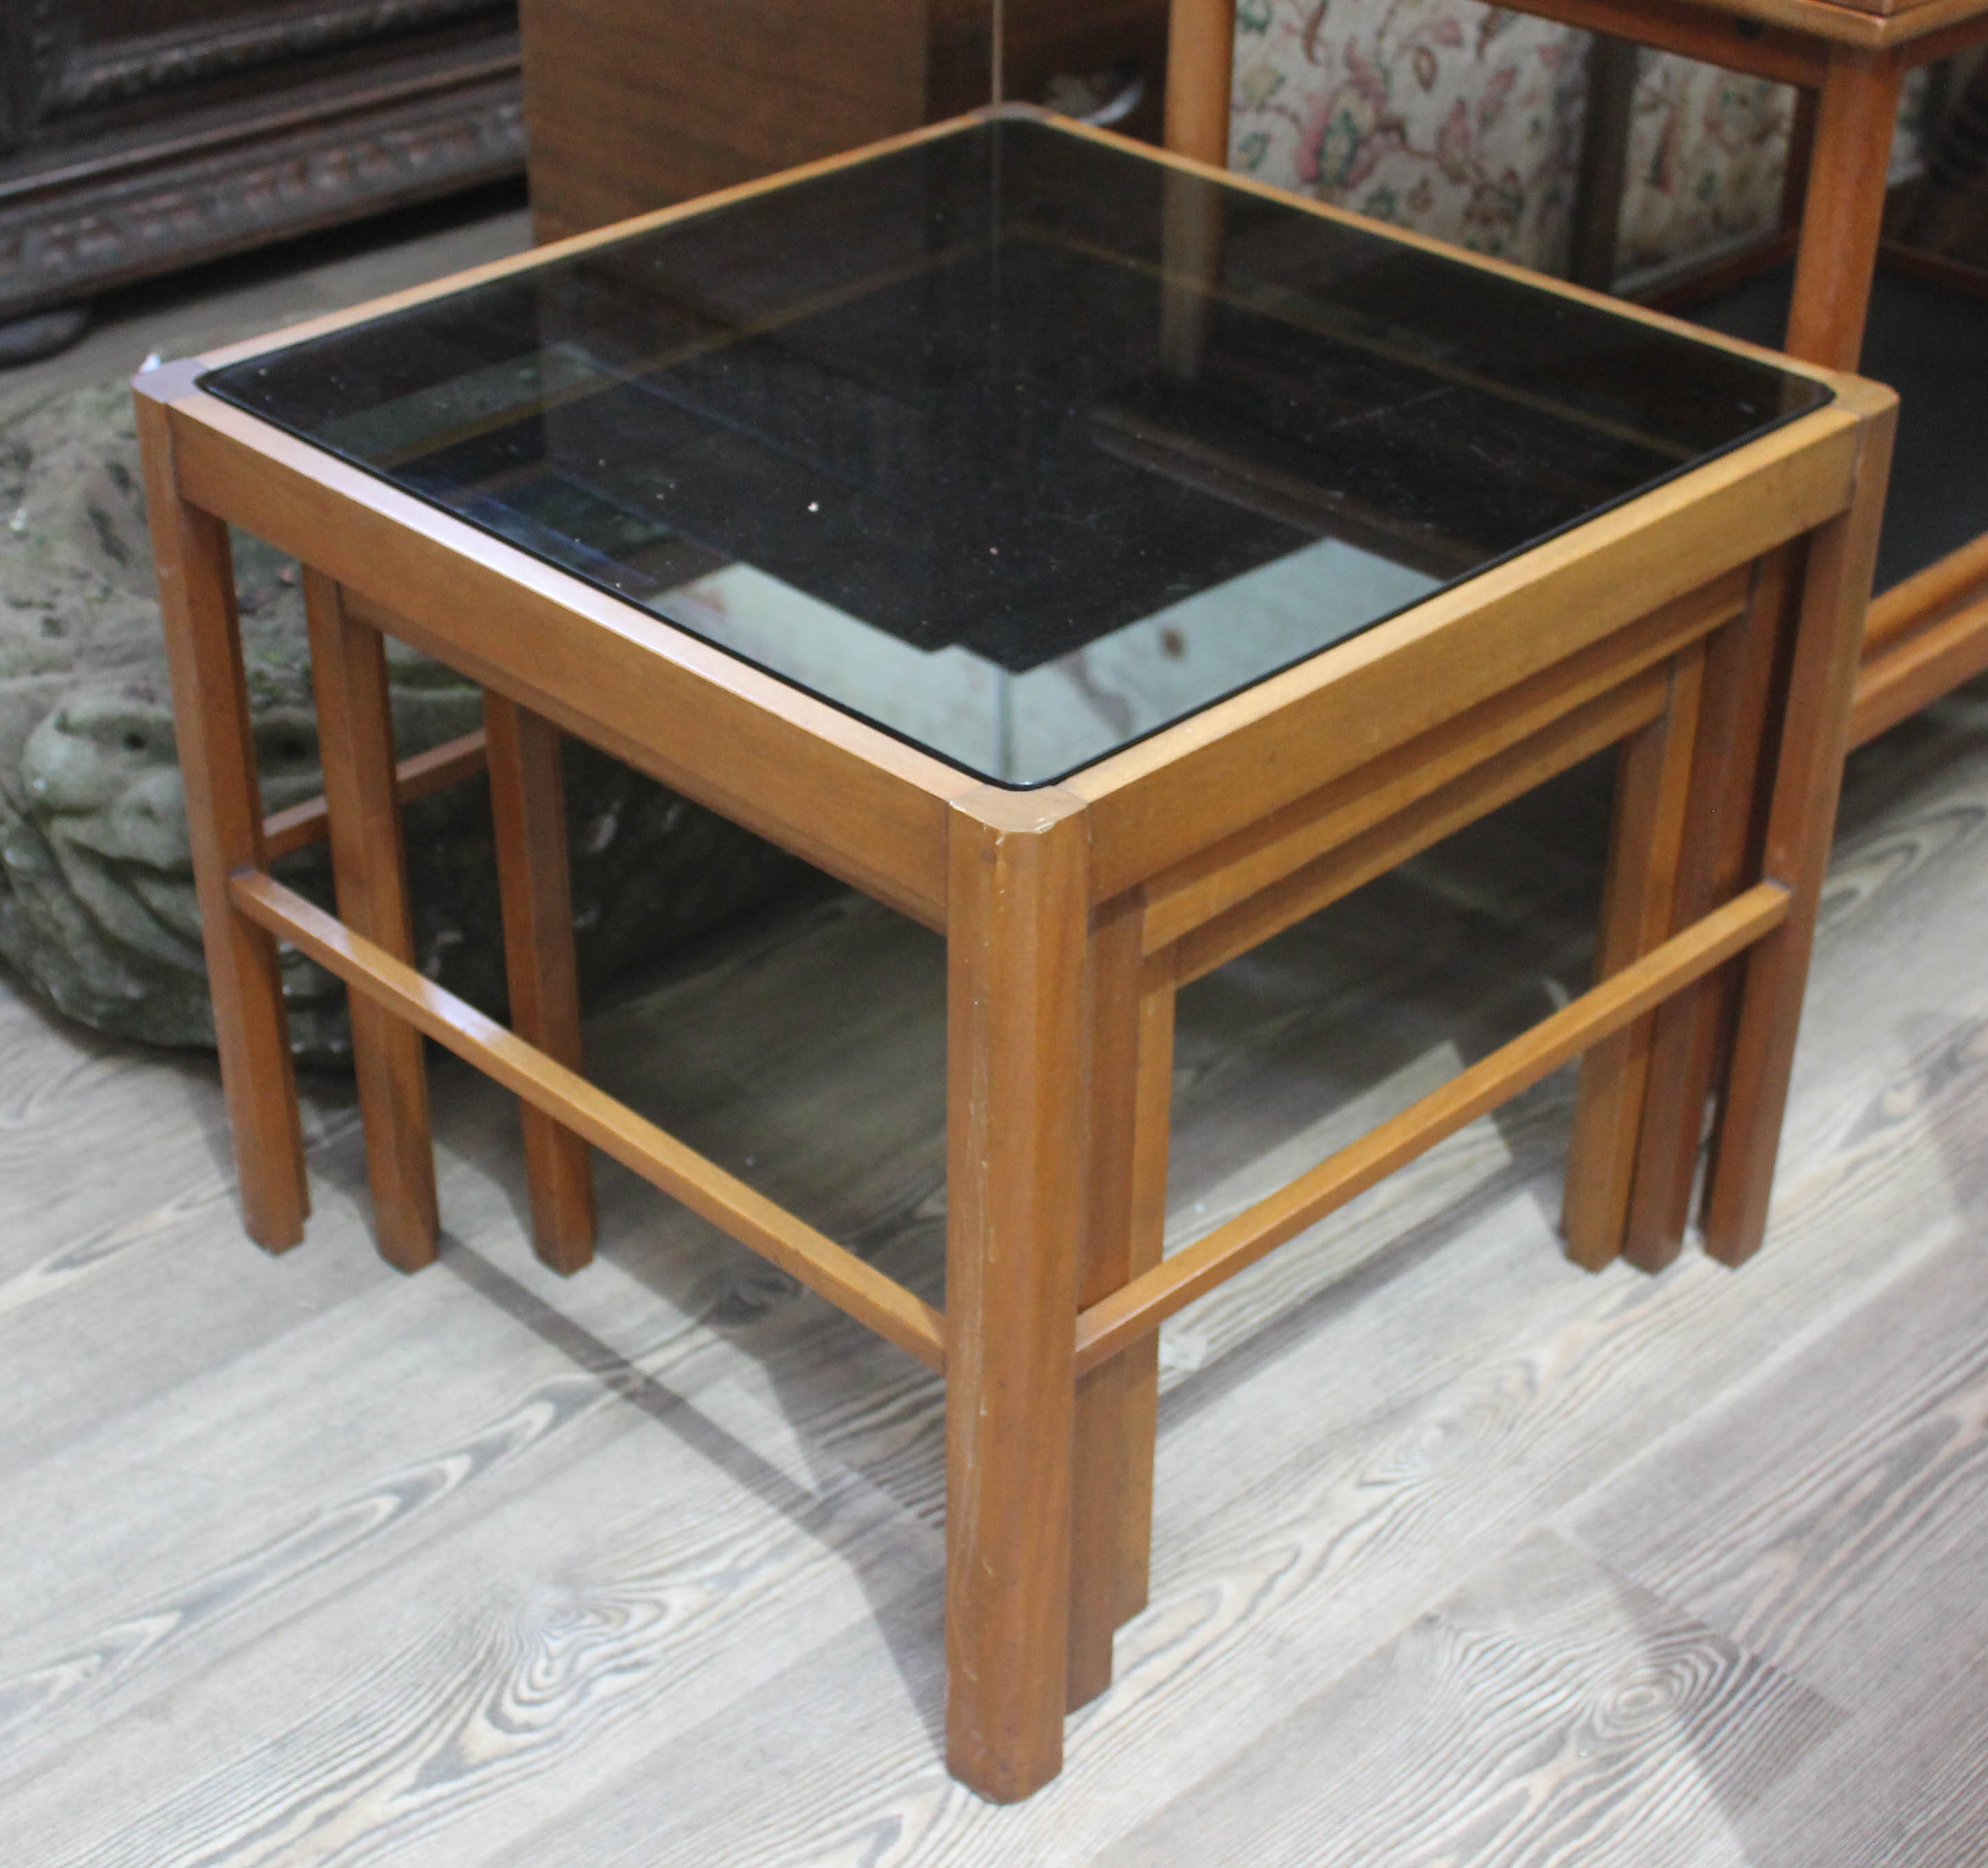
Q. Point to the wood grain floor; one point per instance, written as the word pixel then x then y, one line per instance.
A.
pixel 1464 1557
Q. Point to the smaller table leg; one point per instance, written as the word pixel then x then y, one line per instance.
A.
pixel 1017 917
pixel 528 801
pixel 224 809
pixel 369 865
pixel 1845 211
pixel 1808 778
pixel 1638 912
pixel 1726 818
pixel 1117 1405
pixel 1201 59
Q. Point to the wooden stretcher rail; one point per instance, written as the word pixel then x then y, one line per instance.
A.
pixel 1142 1306
pixel 1215 881
pixel 1925 596
pixel 433 771
pixel 1338 871
pixel 824 1267
pixel 1915 671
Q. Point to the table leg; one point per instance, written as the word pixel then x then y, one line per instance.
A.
pixel 528 803
pixel 1845 210
pixel 1612 65
pixel 1638 912
pixel 1125 1204
pixel 224 811
pixel 369 866
pixel 1743 662
pixel 1017 914
pixel 1201 59
pixel 1836 586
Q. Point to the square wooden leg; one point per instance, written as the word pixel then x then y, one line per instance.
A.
pixel 1638 912
pixel 224 809
pixel 369 865
pixel 1845 210
pixel 1017 914
pixel 1117 1405
pixel 1808 778
pixel 528 803
pixel 1744 667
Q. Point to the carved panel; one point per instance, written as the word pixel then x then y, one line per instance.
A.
pixel 64 243
pixel 137 135
pixel 90 77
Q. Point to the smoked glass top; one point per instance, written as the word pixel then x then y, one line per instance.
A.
pixel 1019 445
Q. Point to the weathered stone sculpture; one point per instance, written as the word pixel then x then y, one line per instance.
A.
pixel 97 913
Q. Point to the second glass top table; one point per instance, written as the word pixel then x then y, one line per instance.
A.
pixel 1014 443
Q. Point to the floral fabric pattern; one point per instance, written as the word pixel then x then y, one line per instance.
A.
pixel 1464 121
pixel 1457 119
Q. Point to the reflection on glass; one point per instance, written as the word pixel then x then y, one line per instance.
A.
pixel 1019 445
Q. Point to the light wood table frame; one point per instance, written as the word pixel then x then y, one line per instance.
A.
pixel 1714 615
pixel 1849 58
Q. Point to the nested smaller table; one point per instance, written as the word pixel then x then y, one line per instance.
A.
pixel 1849 60
pixel 1107 564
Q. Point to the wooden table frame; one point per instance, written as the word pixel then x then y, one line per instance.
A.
pixel 1691 626
pixel 1929 633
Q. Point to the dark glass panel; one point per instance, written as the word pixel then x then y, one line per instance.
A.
pixel 1019 445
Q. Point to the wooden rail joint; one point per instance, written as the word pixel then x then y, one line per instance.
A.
pixel 1138 1308
pixel 304 824
pixel 829 1270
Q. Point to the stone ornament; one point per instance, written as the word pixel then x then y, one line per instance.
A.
pixel 97 915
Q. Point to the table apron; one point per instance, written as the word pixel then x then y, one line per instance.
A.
pixel 842 795
pixel 1166 803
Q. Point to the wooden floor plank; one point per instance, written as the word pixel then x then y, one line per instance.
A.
pixel 1549 1709
pixel 479 1669
pixel 1834 1519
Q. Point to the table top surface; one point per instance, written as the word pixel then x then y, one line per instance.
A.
pixel 1017 443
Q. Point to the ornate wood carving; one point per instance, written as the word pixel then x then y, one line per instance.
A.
pixel 65 242
pixel 86 79
pixel 130 154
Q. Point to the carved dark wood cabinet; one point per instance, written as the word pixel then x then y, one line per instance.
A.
pixel 136 136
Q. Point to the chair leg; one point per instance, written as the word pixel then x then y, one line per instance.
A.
pixel 528 803
pixel 1131 1071
pixel 369 865
pixel 1638 912
pixel 1017 932
pixel 224 811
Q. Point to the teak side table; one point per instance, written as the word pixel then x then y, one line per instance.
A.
pixel 1515 524
pixel 1928 633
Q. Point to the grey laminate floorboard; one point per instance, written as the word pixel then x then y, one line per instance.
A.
pixel 1548 1711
